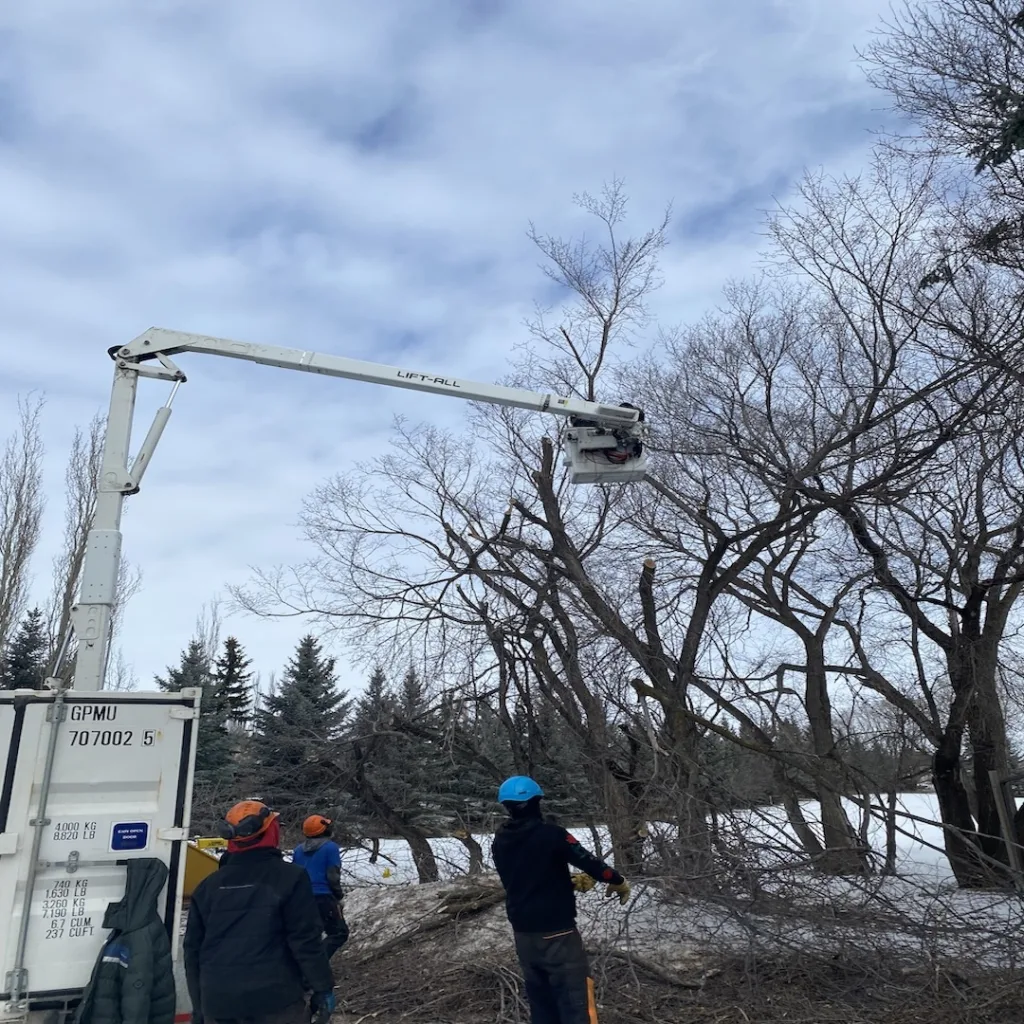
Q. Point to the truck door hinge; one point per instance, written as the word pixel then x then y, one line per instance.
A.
pixel 172 835
pixel 62 712
pixel 183 713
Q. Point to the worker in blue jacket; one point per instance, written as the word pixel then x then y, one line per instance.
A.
pixel 321 857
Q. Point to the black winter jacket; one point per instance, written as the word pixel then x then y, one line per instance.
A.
pixel 252 944
pixel 133 980
pixel 533 857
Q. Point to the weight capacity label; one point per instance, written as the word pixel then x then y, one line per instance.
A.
pixel 72 831
pixel 64 910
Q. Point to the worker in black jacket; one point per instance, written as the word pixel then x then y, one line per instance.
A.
pixel 252 943
pixel 533 857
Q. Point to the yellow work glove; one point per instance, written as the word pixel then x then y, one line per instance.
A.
pixel 622 890
pixel 583 883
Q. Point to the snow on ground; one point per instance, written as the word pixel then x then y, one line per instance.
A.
pixel 919 913
pixel 920 853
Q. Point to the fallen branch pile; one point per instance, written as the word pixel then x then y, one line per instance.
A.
pixel 429 955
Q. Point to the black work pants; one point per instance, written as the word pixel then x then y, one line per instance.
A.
pixel 334 924
pixel 557 975
pixel 297 1013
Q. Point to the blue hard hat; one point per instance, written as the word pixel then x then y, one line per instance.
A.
pixel 518 790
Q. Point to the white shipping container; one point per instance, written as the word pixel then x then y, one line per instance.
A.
pixel 120 787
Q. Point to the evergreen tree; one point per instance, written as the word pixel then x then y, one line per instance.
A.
pixel 559 764
pixel 193 670
pixel 214 747
pixel 372 707
pixel 412 697
pixel 233 674
pixel 296 745
pixel 421 775
pixel 473 794
pixel 24 663
pixel 412 774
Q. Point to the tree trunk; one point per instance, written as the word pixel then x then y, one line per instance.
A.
pixel 959 835
pixel 624 830
pixel 843 853
pixel 889 869
pixel 422 854
pixel 476 853
pixel 805 835
pixel 694 843
pixel 623 797
pixel 986 730
pixel 970 841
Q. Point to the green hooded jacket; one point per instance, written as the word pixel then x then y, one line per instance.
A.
pixel 133 980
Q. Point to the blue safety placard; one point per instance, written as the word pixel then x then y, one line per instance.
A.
pixel 129 835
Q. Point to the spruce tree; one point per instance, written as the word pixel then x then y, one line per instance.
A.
pixel 412 696
pixel 373 706
pixel 421 775
pixel 473 792
pixel 24 663
pixel 193 670
pixel 214 747
pixel 297 732
pixel 233 674
pixel 215 753
pixel 416 771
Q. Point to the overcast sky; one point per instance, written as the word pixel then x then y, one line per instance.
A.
pixel 357 178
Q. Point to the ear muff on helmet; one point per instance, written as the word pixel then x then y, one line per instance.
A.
pixel 247 825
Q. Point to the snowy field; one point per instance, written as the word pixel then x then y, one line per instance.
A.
pixel 918 915
pixel 920 855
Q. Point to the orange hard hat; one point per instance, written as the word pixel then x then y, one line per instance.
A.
pixel 316 825
pixel 247 820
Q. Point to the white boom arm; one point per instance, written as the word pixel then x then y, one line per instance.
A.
pixel 604 444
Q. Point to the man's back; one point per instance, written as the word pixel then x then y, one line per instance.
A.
pixel 321 859
pixel 252 945
pixel 532 857
pixel 534 870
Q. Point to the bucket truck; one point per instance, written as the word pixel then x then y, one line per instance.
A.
pixel 93 778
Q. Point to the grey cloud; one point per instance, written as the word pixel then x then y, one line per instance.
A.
pixel 358 182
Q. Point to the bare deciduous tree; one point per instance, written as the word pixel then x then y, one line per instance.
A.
pixel 930 489
pixel 80 478
pixel 21 512
pixel 476 565
pixel 955 67
pixel 79 508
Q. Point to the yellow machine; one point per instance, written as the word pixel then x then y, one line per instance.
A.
pixel 200 862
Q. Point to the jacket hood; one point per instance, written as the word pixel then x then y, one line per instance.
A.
pixel 520 826
pixel 310 846
pixel 146 878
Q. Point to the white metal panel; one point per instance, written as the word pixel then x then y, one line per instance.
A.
pixel 122 775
